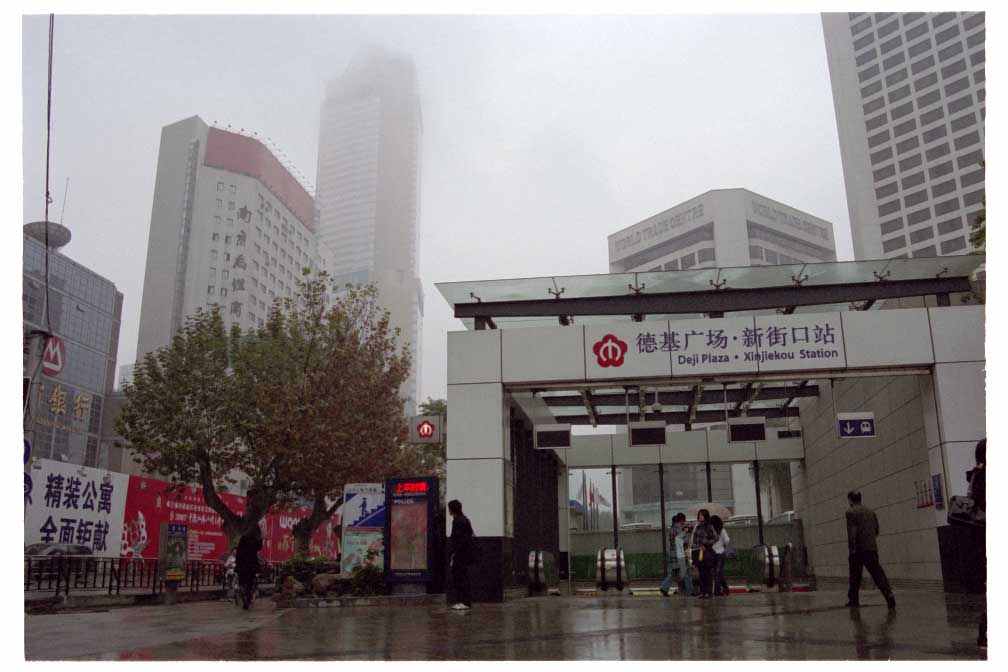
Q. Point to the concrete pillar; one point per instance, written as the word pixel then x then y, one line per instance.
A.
pixel 479 471
pixel 953 402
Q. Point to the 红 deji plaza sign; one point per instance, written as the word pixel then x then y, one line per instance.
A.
pixel 426 429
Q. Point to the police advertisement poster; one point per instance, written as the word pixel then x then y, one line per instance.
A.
pixel 363 515
pixel 76 506
pixel 410 509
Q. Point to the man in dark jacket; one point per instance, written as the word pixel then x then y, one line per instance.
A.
pixel 862 529
pixel 461 555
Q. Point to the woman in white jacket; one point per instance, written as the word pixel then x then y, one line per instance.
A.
pixel 720 547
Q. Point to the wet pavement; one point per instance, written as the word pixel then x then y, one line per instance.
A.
pixel 756 626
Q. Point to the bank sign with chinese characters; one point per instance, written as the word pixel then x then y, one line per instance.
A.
pixel 686 348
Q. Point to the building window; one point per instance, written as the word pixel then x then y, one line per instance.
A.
pixel 223 291
pixel 918 216
pixel 220 203
pixel 231 189
pixel 224 276
pixel 912 180
pixel 227 256
pixel 214 236
pixel 227 240
pixel 891 226
pixel 967 140
pixel 893 244
pixel 210 290
pixel 771 256
pixel 236 308
pixel 220 186
pixel 953 245
pixel 949 226
pixel 213 273
pixel 231 205
pixel 213 255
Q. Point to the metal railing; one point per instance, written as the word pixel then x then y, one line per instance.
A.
pixel 61 575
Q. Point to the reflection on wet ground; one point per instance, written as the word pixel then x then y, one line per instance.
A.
pixel 767 626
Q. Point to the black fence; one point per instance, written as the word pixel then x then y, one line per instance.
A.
pixel 61 575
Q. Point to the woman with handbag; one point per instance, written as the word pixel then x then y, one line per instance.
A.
pixel 721 547
pixel 702 545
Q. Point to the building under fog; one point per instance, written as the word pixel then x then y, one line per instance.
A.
pixel 368 188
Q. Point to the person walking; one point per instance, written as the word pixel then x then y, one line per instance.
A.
pixel 720 550
pixel 247 563
pixel 677 563
pixel 862 530
pixel 461 555
pixel 702 545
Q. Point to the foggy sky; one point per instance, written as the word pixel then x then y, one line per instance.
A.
pixel 542 135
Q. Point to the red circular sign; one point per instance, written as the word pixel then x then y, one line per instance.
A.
pixel 425 429
pixel 54 356
pixel 609 351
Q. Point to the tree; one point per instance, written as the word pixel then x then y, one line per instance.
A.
pixel 355 366
pixel 188 418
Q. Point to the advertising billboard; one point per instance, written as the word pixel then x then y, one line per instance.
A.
pixel 76 506
pixel 410 509
pixel 363 525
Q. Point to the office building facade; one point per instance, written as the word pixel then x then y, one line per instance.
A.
pixel 910 96
pixel 368 188
pixel 722 227
pixel 71 373
pixel 230 225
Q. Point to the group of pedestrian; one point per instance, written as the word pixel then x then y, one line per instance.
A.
pixel 705 547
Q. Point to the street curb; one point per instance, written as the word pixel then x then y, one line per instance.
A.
pixel 368 601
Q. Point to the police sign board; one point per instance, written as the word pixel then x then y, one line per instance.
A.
pixel 860 425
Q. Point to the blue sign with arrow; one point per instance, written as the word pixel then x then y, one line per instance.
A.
pixel 856 425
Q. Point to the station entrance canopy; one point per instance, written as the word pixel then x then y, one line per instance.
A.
pixel 698 347
pixel 691 349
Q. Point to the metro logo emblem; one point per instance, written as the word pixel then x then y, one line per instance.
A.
pixel 425 429
pixel 54 356
pixel 610 351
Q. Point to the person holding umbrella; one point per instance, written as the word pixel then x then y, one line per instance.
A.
pixel 702 544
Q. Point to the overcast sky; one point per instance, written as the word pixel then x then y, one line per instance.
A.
pixel 542 135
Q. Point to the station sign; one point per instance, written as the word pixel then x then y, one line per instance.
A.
pixel 426 429
pixel 688 348
pixel 410 529
pixel 860 425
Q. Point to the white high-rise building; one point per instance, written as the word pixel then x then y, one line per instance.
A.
pixel 722 227
pixel 909 91
pixel 368 188
pixel 229 225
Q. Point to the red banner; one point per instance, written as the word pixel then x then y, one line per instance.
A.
pixel 149 503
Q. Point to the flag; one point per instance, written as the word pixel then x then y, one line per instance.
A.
pixel 602 500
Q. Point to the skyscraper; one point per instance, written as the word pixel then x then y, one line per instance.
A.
pixel 368 188
pixel 909 92
pixel 229 225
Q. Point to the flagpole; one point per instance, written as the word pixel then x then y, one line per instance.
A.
pixel 584 498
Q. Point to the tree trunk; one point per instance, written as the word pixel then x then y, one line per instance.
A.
pixel 257 505
pixel 305 528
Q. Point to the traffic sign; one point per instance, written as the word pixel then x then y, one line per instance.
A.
pixel 860 425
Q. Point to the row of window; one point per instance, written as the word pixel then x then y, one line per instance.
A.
pixel 704 255
pixel 231 188
pixel 757 253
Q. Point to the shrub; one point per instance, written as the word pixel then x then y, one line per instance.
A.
pixel 368 580
pixel 305 569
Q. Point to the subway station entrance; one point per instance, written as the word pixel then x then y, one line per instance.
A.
pixel 585 411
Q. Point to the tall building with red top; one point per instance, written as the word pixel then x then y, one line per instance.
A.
pixel 230 225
